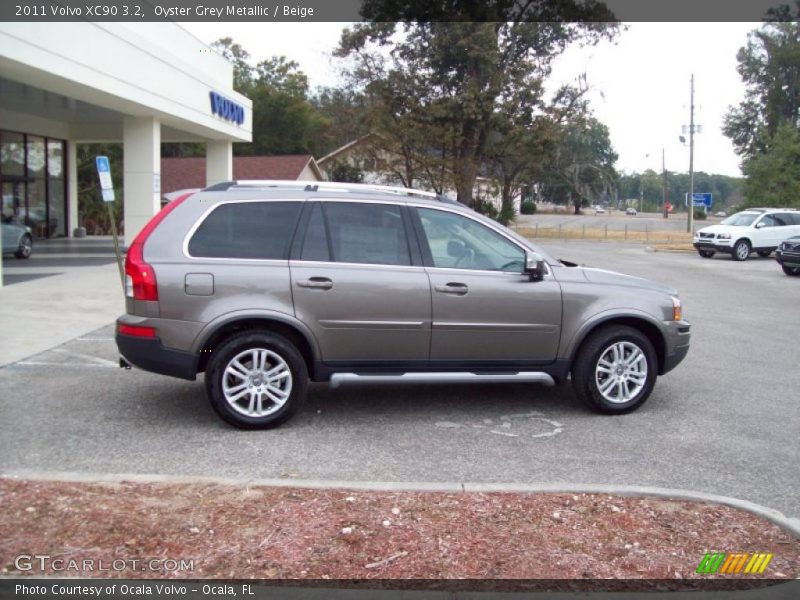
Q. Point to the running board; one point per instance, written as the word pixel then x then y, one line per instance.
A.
pixel 338 379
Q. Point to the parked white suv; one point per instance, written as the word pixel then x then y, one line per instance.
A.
pixel 756 229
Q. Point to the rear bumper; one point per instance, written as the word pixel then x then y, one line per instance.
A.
pixel 150 355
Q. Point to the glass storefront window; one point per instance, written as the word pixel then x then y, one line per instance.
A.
pixel 12 154
pixel 57 222
pixel 55 158
pixel 33 176
pixel 36 156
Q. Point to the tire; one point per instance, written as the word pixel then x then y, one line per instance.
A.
pixel 741 250
pixel 25 247
pixel 259 405
pixel 639 377
pixel 706 253
pixel 764 253
pixel 791 271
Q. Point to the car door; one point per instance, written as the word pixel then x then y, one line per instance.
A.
pixel 359 287
pixel 486 310
pixel 767 232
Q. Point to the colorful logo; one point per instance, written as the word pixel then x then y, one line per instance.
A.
pixel 734 563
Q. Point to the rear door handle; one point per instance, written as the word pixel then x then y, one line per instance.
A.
pixel 459 289
pixel 321 283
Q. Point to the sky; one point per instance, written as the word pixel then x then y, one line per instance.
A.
pixel 639 84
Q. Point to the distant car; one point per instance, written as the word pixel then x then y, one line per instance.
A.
pixel 721 213
pixel 599 210
pixel 630 211
pixel 17 238
pixel 756 229
pixel 788 256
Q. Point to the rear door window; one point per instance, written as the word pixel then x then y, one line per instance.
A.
pixel 365 233
pixel 248 230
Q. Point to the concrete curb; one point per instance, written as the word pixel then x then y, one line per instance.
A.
pixel 675 250
pixel 790 524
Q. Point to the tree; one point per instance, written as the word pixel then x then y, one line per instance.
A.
pixel 773 177
pixel 581 169
pixel 769 66
pixel 764 127
pixel 517 152
pixel 443 82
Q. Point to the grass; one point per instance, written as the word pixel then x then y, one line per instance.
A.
pixel 614 235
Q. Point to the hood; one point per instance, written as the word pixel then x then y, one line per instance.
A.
pixel 721 229
pixel 613 278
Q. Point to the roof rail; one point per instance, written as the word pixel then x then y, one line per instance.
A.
pixel 324 186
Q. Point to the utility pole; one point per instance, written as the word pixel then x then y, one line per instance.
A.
pixel 690 222
pixel 664 192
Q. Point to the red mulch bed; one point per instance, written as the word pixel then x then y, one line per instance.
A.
pixel 285 533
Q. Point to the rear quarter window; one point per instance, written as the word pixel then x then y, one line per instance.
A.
pixel 250 230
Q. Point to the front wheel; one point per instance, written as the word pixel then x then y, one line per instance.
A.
pixel 615 370
pixel 791 271
pixel 25 247
pixel 741 250
pixel 706 253
pixel 256 380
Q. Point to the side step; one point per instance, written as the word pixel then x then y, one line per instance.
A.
pixel 338 379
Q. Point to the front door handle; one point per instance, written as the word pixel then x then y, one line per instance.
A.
pixel 459 289
pixel 320 283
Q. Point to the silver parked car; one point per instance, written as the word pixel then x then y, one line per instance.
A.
pixel 264 286
pixel 17 238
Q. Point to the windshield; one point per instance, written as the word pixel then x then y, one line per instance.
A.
pixel 742 219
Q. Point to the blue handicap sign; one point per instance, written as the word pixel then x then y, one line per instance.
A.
pixel 104 173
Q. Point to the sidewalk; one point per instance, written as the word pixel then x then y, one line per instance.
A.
pixel 40 310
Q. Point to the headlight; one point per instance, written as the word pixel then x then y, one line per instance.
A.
pixel 677 313
pixel 724 236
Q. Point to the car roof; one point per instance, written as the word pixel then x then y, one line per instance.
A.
pixel 279 188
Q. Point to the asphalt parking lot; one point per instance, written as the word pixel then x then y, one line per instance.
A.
pixel 726 421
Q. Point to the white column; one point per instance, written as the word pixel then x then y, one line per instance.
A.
pixel 72 188
pixel 219 161
pixel 141 137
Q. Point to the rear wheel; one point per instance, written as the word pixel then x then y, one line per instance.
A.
pixel 256 380
pixel 706 253
pixel 741 250
pixel 615 370
pixel 25 247
pixel 764 253
pixel 791 271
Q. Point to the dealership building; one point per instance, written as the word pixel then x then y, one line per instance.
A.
pixel 137 84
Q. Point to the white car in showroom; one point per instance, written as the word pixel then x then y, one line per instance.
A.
pixel 758 230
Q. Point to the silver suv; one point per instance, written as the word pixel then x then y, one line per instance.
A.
pixel 265 285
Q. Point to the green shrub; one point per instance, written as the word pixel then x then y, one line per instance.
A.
pixel 700 214
pixel 527 207
pixel 485 208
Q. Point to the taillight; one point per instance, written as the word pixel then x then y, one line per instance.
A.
pixel 136 330
pixel 140 278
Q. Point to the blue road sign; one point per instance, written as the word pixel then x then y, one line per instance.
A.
pixel 699 199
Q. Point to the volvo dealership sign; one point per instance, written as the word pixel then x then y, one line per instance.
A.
pixel 227 109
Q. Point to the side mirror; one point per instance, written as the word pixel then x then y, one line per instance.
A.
pixel 760 225
pixel 534 266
